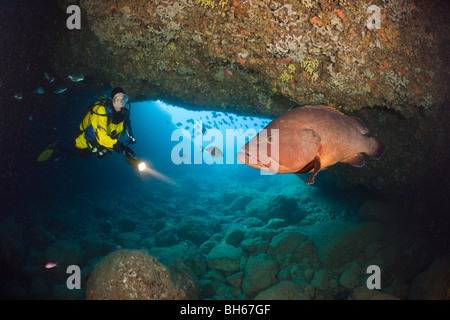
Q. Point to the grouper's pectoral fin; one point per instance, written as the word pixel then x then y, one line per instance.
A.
pixel 310 148
pixel 357 160
pixel 316 165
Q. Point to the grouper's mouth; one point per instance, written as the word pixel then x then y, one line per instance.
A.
pixel 254 162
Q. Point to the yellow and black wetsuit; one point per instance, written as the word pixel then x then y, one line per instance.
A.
pixel 102 127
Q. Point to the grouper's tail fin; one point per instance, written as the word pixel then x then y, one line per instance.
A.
pixel 375 148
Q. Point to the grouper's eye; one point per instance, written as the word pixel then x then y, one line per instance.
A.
pixel 269 139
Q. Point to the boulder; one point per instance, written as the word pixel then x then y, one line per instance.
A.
pixel 433 283
pixel 259 274
pixel 235 234
pixel 251 244
pixel 285 243
pixel 282 207
pixel 320 280
pixel 251 222
pixel 225 258
pixel 207 288
pixel 94 245
pixel 235 280
pixel 305 252
pixel 195 229
pixel 363 293
pixel 240 203
pixel 197 211
pixel 129 240
pixel 256 208
pixel 189 254
pixel 136 275
pixel 126 225
pixel 350 278
pixel 338 243
pixel 276 224
pixel 284 290
pixel 166 237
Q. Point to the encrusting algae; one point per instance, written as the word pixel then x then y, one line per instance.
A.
pixel 252 36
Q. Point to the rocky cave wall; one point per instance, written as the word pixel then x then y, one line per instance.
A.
pixel 266 57
pixel 253 56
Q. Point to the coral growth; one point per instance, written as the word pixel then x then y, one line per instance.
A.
pixel 157 40
pixel 135 275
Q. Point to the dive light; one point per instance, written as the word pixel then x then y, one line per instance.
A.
pixel 135 162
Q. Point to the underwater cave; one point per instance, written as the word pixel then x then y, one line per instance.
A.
pixel 201 79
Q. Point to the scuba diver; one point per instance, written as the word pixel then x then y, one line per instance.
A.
pixel 99 132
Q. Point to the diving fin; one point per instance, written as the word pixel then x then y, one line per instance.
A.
pixel 47 153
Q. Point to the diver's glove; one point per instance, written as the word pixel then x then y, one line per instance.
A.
pixel 119 147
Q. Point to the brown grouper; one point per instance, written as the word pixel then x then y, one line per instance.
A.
pixel 309 139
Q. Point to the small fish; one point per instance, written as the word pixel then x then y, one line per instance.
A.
pixel 18 96
pixel 285 60
pixel 50 265
pixel 196 60
pixel 309 139
pixel 214 152
pixel 30 118
pixel 49 77
pixel 76 77
pixel 228 72
pixel 60 90
pixel 39 90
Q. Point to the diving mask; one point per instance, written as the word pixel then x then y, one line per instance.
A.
pixel 122 100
